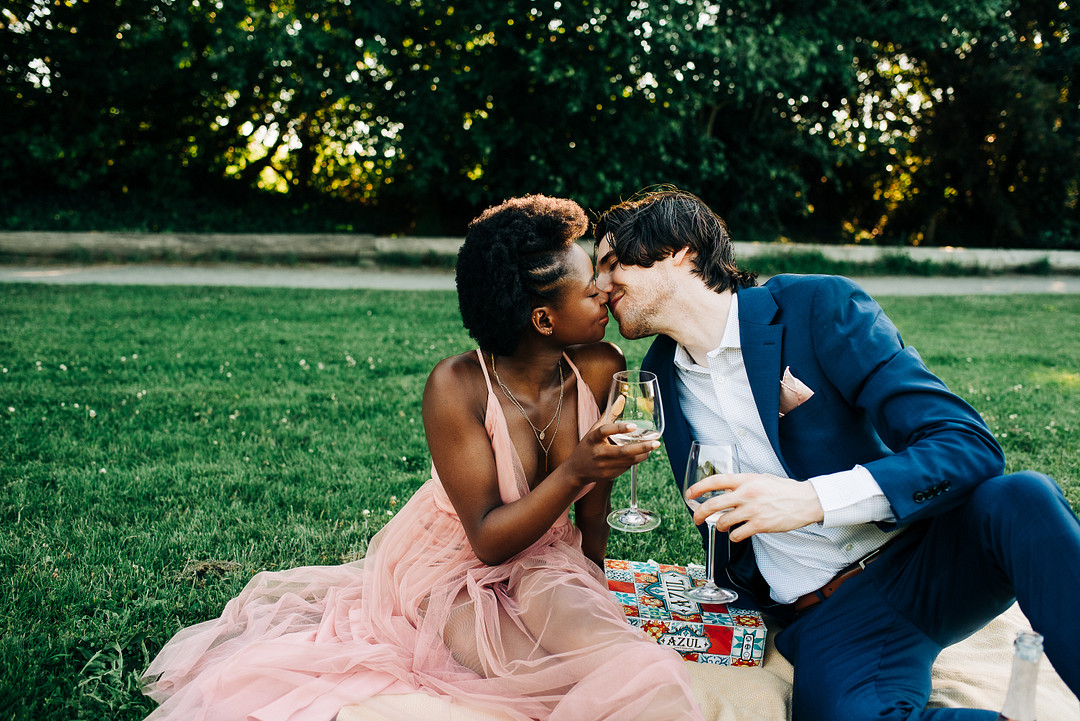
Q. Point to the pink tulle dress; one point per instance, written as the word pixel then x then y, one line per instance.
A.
pixel 536 637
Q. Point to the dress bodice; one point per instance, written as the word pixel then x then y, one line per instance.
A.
pixel 512 482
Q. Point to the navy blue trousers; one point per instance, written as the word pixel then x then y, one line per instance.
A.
pixel 866 651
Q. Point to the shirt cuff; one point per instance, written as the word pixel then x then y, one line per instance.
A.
pixel 851 497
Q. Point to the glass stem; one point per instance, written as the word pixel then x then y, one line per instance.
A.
pixel 709 559
pixel 633 487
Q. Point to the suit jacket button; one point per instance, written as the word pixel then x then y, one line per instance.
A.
pixel 919 496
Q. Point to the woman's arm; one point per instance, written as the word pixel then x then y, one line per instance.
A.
pixel 597 363
pixel 454 407
pixel 590 516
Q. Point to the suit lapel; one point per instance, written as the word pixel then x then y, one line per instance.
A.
pixel 761 344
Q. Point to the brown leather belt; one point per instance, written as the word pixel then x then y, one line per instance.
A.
pixel 813 598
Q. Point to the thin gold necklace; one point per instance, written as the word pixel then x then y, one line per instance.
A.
pixel 538 432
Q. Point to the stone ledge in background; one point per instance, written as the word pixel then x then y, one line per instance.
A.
pixel 369 248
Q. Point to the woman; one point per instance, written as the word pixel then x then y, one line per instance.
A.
pixel 480 588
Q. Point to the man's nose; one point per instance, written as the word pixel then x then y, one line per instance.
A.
pixel 603 281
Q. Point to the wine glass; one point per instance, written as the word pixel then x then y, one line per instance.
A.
pixel 708 460
pixel 641 406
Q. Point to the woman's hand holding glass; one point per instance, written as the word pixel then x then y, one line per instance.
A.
pixel 635 397
pixel 599 459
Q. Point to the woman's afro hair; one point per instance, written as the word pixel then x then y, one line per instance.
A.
pixel 514 255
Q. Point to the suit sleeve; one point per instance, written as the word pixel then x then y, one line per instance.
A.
pixel 940 446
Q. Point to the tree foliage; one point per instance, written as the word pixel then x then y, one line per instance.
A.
pixel 952 121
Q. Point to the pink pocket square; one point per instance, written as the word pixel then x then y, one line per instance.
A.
pixel 793 393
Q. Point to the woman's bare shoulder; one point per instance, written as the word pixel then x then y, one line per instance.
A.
pixel 597 362
pixel 456 376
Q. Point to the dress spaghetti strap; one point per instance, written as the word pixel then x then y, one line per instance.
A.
pixel 483 366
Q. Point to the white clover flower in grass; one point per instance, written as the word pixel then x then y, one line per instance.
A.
pixel 63 367
pixel 93 413
pixel 11 409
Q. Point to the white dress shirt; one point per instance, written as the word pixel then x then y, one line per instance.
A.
pixel 719 408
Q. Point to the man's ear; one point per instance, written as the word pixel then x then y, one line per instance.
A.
pixel 541 320
pixel 681 255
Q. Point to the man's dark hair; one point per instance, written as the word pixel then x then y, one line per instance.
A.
pixel 513 259
pixel 652 226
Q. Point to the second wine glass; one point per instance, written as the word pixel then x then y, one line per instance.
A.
pixel 704 461
pixel 641 406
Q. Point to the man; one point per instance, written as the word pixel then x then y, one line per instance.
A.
pixel 871 512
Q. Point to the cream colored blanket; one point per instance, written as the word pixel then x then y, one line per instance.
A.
pixel 971 674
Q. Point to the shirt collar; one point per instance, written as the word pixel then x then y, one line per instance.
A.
pixel 730 341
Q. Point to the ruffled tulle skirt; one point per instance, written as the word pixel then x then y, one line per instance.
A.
pixel 537 637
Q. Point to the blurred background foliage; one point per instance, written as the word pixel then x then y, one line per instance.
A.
pixel 890 122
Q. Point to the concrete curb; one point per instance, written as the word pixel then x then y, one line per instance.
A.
pixel 988 258
pixel 352 277
pixel 189 246
pixel 370 249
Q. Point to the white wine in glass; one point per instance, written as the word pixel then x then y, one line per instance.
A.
pixel 641 406
pixel 704 461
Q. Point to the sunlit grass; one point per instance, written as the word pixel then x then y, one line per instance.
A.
pixel 161 445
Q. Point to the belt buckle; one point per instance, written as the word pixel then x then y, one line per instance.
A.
pixel 862 562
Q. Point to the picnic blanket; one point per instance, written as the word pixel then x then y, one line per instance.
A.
pixel 971 674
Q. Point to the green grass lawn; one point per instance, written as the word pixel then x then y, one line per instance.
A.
pixel 161 445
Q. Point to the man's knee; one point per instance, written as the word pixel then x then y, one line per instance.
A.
pixel 1022 492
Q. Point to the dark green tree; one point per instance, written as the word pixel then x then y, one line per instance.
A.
pixel 883 122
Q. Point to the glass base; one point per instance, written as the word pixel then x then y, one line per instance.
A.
pixel 633 520
pixel 711 593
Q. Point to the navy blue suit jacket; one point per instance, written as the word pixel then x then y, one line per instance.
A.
pixel 875 403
